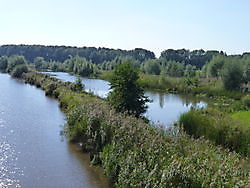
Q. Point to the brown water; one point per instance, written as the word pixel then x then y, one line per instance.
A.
pixel 32 152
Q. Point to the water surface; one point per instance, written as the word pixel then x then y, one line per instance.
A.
pixel 32 152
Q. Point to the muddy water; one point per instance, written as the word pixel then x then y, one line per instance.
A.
pixel 32 152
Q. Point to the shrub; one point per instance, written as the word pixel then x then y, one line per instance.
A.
pixel 19 70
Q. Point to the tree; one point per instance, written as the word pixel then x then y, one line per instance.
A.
pixel 246 73
pixel 3 63
pixel 127 94
pixel 190 71
pixel 215 65
pixel 232 75
pixel 152 67
pixel 39 61
pixel 14 61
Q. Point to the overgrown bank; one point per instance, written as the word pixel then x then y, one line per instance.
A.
pixel 135 154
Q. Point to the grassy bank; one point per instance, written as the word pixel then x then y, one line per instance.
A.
pixel 218 127
pixel 243 116
pixel 135 154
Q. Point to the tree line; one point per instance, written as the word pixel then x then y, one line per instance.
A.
pixel 61 53
pixel 233 70
pixel 100 55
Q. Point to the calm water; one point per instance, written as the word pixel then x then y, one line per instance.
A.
pixel 164 109
pixel 32 152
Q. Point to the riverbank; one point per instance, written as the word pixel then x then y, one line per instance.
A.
pixel 134 153
pixel 214 123
pixel 182 85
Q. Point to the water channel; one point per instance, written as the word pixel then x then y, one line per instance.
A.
pixel 164 108
pixel 32 152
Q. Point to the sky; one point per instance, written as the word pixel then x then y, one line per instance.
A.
pixel 155 25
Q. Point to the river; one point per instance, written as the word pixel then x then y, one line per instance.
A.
pixel 32 152
pixel 164 108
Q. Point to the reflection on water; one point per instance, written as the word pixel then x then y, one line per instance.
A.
pixel 32 153
pixel 164 109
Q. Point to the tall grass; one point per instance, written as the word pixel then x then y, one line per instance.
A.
pixel 218 127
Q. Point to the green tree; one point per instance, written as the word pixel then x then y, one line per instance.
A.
pixel 39 61
pixel 246 73
pixel 14 61
pixel 3 63
pixel 215 65
pixel 232 75
pixel 127 94
pixel 190 71
pixel 152 67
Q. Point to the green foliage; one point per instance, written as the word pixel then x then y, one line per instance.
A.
pixel 246 73
pixel 242 116
pixel 78 85
pixel 232 76
pixel 19 70
pixel 61 53
pixel 3 63
pixel 246 100
pixel 39 63
pixel 219 128
pixel 172 68
pixel 13 61
pixel 79 66
pixel 215 65
pixel 127 94
pixel 111 65
pixel 190 71
pixel 196 58
pixel 151 67
pixel 50 90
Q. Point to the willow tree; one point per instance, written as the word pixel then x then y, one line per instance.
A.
pixel 127 94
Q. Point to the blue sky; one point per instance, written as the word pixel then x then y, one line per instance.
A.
pixel 127 24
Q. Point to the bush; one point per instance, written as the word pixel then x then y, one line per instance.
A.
pixel 19 70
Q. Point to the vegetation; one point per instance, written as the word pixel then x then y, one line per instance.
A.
pixel 232 71
pixel 135 154
pixel 127 95
pixel 19 70
pixel 61 53
pixel 218 127
pixel 13 61
pixel 3 63
pixel 242 116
